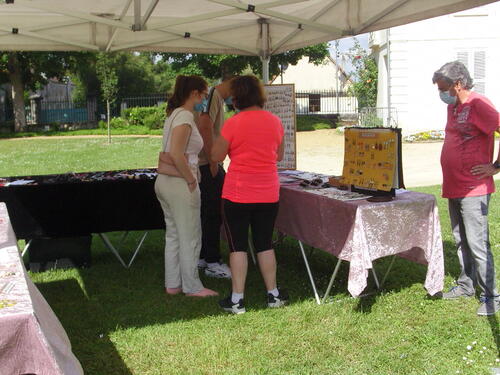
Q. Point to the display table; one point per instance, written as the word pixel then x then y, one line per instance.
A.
pixel 359 232
pixel 77 204
pixel 32 340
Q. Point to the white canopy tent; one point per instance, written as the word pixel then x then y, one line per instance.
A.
pixel 259 28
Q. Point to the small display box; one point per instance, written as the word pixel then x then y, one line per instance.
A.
pixel 372 160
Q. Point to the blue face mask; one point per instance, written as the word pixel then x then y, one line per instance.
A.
pixel 447 98
pixel 229 101
pixel 201 107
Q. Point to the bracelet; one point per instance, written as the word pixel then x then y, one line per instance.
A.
pixel 192 182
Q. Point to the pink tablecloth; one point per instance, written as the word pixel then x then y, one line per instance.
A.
pixel 360 232
pixel 32 340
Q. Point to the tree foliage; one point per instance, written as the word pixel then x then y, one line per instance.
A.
pixel 106 72
pixel 218 66
pixel 365 77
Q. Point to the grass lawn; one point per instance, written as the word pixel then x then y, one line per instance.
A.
pixel 121 322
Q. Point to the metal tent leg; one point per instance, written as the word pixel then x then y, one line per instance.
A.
pixel 316 296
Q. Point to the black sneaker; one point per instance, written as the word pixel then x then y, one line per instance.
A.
pixel 280 300
pixel 230 306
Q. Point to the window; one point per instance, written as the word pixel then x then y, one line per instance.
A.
pixel 475 61
pixel 314 102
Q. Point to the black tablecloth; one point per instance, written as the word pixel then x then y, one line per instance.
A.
pixel 79 208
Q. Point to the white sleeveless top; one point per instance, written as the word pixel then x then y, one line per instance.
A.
pixel 181 116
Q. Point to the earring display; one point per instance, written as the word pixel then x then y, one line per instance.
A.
pixel 372 159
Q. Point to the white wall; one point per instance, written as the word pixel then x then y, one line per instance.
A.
pixel 417 50
pixel 306 76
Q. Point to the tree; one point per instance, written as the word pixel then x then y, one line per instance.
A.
pixel 106 72
pixel 365 77
pixel 218 66
pixel 31 70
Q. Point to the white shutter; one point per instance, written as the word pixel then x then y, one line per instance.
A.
pixel 480 72
pixel 463 57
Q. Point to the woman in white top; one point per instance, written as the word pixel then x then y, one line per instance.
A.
pixel 180 196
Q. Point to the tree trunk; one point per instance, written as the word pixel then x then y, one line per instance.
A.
pixel 16 80
pixel 109 125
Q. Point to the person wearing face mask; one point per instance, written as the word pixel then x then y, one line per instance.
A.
pixel 210 121
pixel 180 196
pixel 466 161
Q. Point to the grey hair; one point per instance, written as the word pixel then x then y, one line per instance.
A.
pixel 453 72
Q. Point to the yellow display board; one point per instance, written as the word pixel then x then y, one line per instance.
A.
pixel 371 158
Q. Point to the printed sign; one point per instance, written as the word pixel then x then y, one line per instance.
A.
pixel 281 102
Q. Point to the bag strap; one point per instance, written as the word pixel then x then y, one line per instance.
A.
pixel 170 130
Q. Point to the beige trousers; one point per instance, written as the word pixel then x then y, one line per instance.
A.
pixel 181 209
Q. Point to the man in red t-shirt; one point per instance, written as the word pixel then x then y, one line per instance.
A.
pixel 466 161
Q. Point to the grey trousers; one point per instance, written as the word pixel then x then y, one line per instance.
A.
pixel 469 224
pixel 181 209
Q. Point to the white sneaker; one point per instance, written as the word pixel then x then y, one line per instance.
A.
pixel 219 270
pixel 202 264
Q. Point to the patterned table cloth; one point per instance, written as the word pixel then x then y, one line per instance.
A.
pixel 360 232
pixel 32 340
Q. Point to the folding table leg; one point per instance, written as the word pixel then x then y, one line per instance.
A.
pixel 26 247
pixel 252 250
pixel 110 246
pixel 316 296
pixel 388 270
pixel 138 248
pixel 375 278
pixel 332 279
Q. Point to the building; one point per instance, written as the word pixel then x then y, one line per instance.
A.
pixel 320 89
pixel 418 49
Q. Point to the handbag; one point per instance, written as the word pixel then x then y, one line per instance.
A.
pixel 166 164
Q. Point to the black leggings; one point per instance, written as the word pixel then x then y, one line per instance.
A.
pixel 238 217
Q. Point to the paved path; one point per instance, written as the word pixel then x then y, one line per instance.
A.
pixel 323 151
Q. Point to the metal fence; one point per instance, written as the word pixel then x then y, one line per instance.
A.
pixel 143 101
pixel 325 102
pixel 378 116
pixel 41 112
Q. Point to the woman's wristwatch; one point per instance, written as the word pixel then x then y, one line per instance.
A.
pixel 496 164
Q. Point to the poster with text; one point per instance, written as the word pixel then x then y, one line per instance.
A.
pixel 281 102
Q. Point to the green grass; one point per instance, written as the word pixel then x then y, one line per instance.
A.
pixel 129 130
pixel 308 123
pixel 121 322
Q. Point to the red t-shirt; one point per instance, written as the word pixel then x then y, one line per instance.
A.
pixel 254 138
pixel 469 141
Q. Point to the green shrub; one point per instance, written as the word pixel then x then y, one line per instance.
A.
pixel 115 123
pixel 154 120
pixel 138 115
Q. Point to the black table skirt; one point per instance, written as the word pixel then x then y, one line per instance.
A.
pixel 73 209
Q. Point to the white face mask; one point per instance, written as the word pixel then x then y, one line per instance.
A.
pixel 447 98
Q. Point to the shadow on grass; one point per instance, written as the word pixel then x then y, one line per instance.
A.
pixel 82 318
pixel 322 265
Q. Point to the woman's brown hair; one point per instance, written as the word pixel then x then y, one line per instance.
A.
pixel 247 91
pixel 184 85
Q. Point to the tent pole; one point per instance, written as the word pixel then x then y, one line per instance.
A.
pixel 265 70
pixel 265 56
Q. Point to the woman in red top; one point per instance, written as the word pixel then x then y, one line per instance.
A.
pixel 253 139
